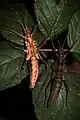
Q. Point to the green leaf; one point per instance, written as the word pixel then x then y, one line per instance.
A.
pixel 73 82
pixel 76 56
pixel 52 18
pixel 44 77
pixel 12 20
pixel 58 110
pixel 74 32
pixel 11 61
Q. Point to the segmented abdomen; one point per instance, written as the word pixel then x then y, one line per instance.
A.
pixel 55 88
pixel 32 57
pixel 33 71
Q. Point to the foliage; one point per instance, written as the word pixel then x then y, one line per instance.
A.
pixel 53 19
pixel 12 19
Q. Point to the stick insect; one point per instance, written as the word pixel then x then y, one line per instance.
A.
pixel 32 56
pixel 58 77
pixel 31 51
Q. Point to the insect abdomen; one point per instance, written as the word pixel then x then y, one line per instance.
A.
pixel 55 88
pixel 32 57
pixel 33 72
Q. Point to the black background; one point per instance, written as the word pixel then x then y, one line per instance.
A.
pixel 16 102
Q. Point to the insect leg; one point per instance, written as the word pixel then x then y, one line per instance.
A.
pixel 46 92
pixel 67 90
pixel 43 54
pixel 43 86
pixel 67 105
pixel 40 91
pixel 43 43
pixel 50 81
pixel 16 33
pixel 43 61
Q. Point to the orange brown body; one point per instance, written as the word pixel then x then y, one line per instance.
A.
pixel 32 57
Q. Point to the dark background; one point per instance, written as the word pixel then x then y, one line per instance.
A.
pixel 16 102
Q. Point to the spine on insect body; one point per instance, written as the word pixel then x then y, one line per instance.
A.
pixel 32 57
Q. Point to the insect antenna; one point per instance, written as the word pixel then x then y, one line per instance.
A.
pixel 34 29
pixel 24 21
pixel 25 25
pixel 63 43
pixel 53 48
pixel 72 45
pixel 59 44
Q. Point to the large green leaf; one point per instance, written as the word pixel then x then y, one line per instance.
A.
pixel 52 18
pixel 44 77
pixel 11 61
pixel 74 32
pixel 58 110
pixel 76 56
pixel 12 20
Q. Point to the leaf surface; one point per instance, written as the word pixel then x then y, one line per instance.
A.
pixel 53 18
pixel 74 32
pixel 58 110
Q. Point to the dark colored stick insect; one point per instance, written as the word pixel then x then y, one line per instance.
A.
pixel 58 78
